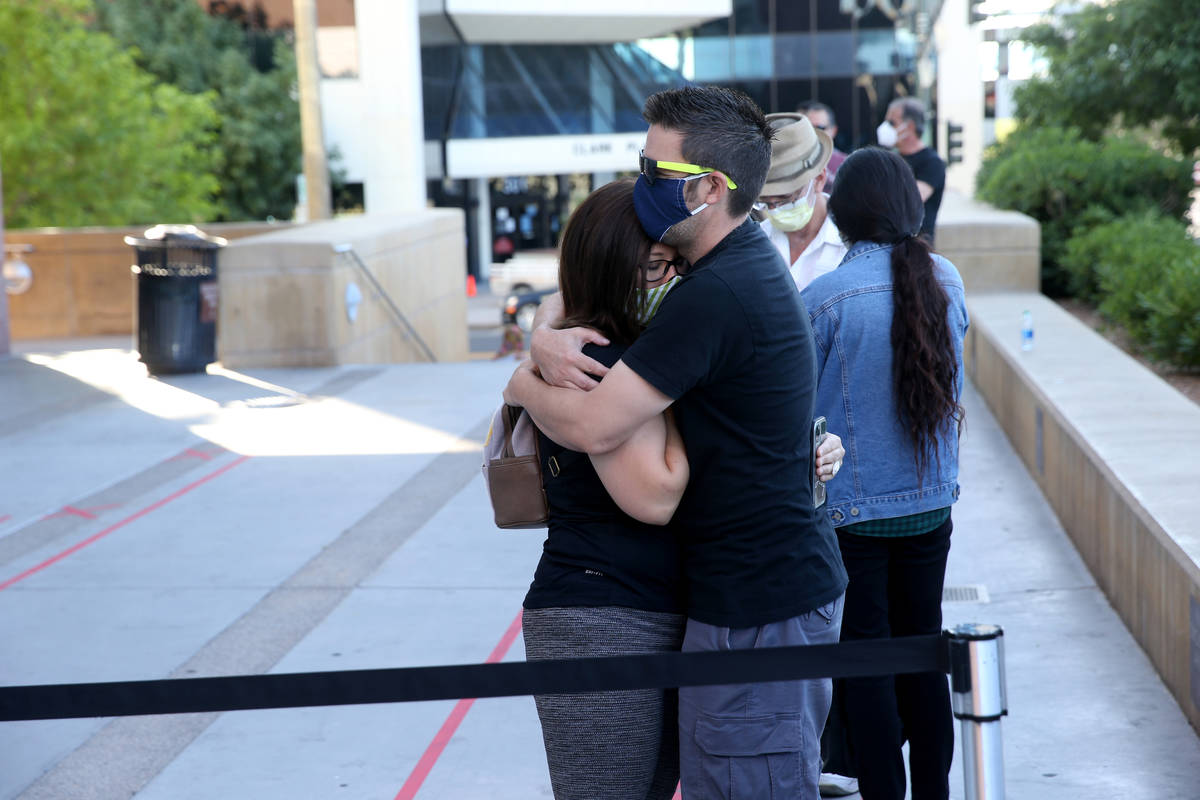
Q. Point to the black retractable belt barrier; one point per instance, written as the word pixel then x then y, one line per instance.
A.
pixel 409 684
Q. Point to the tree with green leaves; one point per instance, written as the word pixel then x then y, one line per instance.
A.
pixel 1130 64
pixel 258 135
pixel 89 138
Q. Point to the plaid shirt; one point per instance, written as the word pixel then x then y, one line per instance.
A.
pixel 912 525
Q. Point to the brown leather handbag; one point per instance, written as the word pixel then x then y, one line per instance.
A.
pixel 512 469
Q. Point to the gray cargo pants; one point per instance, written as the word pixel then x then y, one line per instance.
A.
pixel 761 740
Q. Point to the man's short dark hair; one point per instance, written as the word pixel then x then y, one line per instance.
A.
pixel 817 105
pixel 723 129
pixel 912 110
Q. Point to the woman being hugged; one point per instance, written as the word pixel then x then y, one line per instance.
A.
pixel 609 580
pixel 889 324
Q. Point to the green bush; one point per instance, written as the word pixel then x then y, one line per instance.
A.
pixel 1145 271
pixel 1068 184
pixel 1082 253
pixel 1172 333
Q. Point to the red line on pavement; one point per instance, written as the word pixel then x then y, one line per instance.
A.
pixel 192 452
pixel 71 511
pixel 97 537
pixel 86 513
pixel 450 726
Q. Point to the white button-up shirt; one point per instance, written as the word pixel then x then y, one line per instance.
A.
pixel 822 255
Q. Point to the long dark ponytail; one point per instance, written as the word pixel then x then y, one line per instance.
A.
pixel 875 199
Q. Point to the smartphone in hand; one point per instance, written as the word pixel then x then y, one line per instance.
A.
pixel 818 485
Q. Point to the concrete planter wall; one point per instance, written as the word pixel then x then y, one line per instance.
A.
pixel 284 298
pixel 1117 453
pixel 82 285
pixel 282 288
pixel 1115 448
pixel 994 250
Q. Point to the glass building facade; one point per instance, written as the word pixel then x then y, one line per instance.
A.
pixel 496 90
pixel 783 53
pixel 780 52
pixel 853 55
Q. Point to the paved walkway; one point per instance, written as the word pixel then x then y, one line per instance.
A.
pixel 293 520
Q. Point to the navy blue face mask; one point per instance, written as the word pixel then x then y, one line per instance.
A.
pixel 660 205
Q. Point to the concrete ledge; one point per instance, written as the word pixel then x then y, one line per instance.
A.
pixel 1115 449
pixel 284 294
pixel 82 285
pixel 994 250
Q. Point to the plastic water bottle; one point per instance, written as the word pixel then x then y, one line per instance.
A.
pixel 1026 330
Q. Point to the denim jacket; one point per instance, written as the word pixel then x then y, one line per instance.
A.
pixel 851 313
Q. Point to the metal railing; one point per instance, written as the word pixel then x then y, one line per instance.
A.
pixel 398 316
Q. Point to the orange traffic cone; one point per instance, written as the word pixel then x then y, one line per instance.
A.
pixel 470 286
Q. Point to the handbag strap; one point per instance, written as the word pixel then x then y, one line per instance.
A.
pixel 510 416
pixel 537 444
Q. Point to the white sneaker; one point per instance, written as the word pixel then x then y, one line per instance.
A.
pixel 834 785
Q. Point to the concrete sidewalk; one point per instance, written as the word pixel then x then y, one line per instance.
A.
pixel 322 519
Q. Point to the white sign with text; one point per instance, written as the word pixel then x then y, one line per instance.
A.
pixel 543 155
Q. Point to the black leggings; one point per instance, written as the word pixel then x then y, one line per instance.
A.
pixel 896 590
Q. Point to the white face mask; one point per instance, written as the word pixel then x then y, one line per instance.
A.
pixel 885 134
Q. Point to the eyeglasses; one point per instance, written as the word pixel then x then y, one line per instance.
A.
pixel 656 269
pixel 649 169
pixel 785 204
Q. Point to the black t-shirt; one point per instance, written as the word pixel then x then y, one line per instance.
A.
pixel 595 554
pixel 732 345
pixel 928 166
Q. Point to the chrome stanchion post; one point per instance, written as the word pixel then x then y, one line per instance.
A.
pixel 979 699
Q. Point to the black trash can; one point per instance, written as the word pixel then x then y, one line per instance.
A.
pixel 177 298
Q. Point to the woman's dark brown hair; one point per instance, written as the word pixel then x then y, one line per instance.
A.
pixel 877 200
pixel 599 256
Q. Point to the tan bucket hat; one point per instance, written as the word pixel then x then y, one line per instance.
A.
pixel 798 154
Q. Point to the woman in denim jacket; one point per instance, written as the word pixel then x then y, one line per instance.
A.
pixel 889 324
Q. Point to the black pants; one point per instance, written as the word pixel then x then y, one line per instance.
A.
pixel 896 590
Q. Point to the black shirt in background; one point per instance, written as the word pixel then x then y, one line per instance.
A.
pixel 595 554
pixel 732 345
pixel 928 166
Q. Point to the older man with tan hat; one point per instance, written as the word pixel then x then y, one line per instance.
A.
pixel 792 207
pixel 792 204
